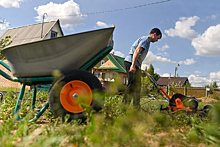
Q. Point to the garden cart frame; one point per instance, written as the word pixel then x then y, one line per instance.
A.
pixel 179 102
pixel 72 56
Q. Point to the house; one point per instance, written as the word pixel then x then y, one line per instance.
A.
pixel 28 34
pixel 165 82
pixel 33 33
pixel 111 70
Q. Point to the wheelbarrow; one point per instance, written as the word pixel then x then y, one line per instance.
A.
pixel 72 56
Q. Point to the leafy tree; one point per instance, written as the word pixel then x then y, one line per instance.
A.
pixel 3 43
pixel 151 70
pixel 156 76
pixel 147 85
pixel 188 84
pixel 212 85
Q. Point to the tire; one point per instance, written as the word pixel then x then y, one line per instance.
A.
pixel 70 90
pixel 207 108
pixel 1 96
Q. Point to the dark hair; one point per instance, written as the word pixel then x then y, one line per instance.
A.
pixel 157 31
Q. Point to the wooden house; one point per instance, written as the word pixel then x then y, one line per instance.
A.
pixel 111 70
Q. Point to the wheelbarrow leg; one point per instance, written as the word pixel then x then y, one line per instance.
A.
pixel 19 102
pixel 34 98
pixel 40 113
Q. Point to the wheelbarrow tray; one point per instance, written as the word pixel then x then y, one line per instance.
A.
pixel 41 58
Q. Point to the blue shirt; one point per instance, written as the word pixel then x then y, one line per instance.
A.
pixel 142 42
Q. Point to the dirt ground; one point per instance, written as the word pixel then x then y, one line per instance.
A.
pixel 207 99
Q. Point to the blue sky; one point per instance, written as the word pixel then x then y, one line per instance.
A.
pixel 191 29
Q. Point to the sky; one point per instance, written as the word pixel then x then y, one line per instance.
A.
pixel 190 28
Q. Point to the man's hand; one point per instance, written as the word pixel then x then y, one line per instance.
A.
pixel 132 69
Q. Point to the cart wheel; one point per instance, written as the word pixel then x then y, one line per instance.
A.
pixel 1 96
pixel 207 108
pixel 71 90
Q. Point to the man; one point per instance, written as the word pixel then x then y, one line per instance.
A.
pixel 133 61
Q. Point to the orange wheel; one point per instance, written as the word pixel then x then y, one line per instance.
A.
pixel 71 90
pixel 73 94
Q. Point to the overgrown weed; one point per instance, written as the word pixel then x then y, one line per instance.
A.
pixel 115 125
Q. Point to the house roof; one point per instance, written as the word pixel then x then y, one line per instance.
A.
pixel 29 33
pixel 164 81
pixel 117 61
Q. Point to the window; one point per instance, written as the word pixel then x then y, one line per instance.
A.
pixel 102 62
pixel 53 34
pixel 103 76
pixel 125 81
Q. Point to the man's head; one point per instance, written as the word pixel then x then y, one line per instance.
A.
pixel 155 34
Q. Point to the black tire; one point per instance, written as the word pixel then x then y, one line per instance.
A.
pixel 207 108
pixel 1 96
pixel 76 75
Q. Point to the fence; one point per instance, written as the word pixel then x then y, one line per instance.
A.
pixel 197 92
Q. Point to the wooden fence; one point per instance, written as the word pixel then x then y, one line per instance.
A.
pixel 193 91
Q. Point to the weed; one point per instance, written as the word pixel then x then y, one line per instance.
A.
pixel 115 125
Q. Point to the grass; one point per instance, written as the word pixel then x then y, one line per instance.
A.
pixel 116 125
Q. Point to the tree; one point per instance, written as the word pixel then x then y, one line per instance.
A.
pixel 212 85
pixel 188 84
pixel 147 85
pixel 3 43
pixel 156 76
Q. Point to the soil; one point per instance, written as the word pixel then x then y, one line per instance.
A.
pixel 207 99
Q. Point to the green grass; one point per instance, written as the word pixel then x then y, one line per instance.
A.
pixel 10 89
pixel 116 125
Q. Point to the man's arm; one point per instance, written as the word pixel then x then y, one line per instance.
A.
pixel 135 57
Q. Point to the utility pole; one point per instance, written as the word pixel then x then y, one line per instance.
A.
pixel 176 68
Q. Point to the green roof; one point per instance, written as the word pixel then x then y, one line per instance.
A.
pixel 117 61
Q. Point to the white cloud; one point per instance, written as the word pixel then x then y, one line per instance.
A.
pixel 186 72
pixel 164 48
pixel 208 43
pixel 163 54
pixel 157 69
pixel 68 12
pixel 213 17
pixel 197 81
pixel 4 25
pixel 11 3
pixel 215 76
pixel 151 58
pixel 144 66
pixel 197 72
pixel 117 53
pixel 183 28
pixel 187 62
pixel 101 24
pixel 166 75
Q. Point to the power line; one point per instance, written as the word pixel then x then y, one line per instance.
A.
pixel 115 10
